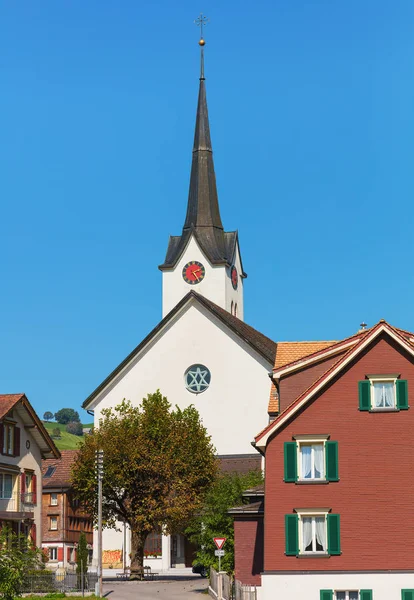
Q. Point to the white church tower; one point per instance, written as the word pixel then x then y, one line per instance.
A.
pixel 204 258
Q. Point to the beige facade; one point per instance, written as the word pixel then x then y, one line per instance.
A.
pixel 23 443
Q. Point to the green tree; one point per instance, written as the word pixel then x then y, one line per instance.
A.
pixel 75 428
pixel 67 415
pixel 214 520
pixel 17 556
pixel 56 433
pixel 82 556
pixel 47 416
pixel 158 462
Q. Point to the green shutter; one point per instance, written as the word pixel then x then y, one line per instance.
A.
pixel 334 542
pixel 326 595
pixel 291 533
pixel 365 594
pixel 290 462
pixel 407 594
pixel 364 394
pixel 331 461
pixel 402 395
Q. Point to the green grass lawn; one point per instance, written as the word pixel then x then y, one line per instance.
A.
pixel 67 441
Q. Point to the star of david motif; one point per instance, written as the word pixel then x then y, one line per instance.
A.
pixel 197 379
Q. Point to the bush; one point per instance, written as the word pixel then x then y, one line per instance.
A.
pixel 56 432
pixel 74 428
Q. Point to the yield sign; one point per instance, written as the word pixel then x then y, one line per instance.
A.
pixel 219 541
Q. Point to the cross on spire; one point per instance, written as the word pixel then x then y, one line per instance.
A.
pixel 201 21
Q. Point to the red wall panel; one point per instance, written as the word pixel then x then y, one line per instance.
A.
pixel 376 465
pixel 248 553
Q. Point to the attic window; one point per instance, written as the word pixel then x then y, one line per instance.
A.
pixel 49 472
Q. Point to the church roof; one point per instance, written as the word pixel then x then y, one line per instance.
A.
pixel 203 219
pixel 256 340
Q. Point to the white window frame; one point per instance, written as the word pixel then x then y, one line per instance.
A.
pixel 52 520
pixel 54 550
pixel 53 499
pixel 312 513
pixel 310 440
pixel 346 592
pixel 2 487
pixel 8 439
pixel 382 379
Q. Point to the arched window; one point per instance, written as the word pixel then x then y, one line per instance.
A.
pixel 235 310
pixel 232 305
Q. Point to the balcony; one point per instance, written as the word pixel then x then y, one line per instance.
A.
pixel 17 506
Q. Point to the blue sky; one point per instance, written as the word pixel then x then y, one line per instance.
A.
pixel 311 112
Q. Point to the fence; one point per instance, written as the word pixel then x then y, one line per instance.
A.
pixel 49 581
pixel 244 592
pixel 222 587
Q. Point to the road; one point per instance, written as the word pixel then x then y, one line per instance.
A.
pixel 180 588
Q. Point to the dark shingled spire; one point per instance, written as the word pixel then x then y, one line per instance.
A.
pixel 203 213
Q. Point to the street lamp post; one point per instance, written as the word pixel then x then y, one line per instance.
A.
pixel 99 469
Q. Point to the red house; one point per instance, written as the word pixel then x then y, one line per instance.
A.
pixel 339 453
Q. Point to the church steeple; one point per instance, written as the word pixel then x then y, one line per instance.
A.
pixel 204 255
pixel 203 212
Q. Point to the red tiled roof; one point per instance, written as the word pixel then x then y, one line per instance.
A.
pixel 62 474
pixel 288 352
pixel 7 401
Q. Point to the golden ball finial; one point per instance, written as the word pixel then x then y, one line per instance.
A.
pixel 202 42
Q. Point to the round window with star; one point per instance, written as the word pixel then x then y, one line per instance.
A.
pixel 197 379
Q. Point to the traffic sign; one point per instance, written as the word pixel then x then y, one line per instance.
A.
pixel 219 552
pixel 219 541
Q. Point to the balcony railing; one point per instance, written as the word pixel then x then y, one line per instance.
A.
pixel 17 502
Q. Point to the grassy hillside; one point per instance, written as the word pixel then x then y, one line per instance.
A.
pixel 67 441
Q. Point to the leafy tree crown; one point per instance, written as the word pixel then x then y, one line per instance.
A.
pixel 67 415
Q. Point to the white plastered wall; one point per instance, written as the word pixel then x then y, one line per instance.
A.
pixel 232 408
pixel 385 586
pixel 235 404
pixel 232 295
pixel 216 285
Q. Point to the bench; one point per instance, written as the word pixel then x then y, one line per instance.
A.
pixel 124 574
pixel 143 573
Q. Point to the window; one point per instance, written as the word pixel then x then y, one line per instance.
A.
pixel 53 554
pixel 312 534
pixel 153 544
pixel 8 439
pixel 347 595
pixel 53 523
pixel 407 594
pixel 311 459
pixel 53 499
pixel 49 472
pixel 197 379
pixel 6 486
pixel 383 393
pixel 312 531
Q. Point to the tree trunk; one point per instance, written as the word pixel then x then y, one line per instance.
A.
pixel 137 554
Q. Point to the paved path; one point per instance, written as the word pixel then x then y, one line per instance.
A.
pixel 182 588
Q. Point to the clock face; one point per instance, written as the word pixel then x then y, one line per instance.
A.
pixel 234 278
pixel 193 272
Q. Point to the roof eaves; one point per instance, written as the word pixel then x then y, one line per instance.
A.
pixel 290 410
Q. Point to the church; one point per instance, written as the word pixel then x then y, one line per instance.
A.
pixel 191 354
